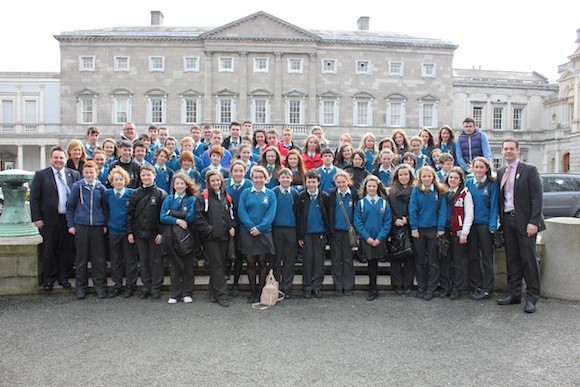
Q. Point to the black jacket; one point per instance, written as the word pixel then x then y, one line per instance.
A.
pixel 144 210
pixel 302 208
pixel 132 168
pixel 357 175
pixel 215 222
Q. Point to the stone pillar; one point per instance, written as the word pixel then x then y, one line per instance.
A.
pixel 560 266
pixel 42 156
pixel 277 110
pixel 208 92
pixel 20 157
pixel 312 101
pixel 242 109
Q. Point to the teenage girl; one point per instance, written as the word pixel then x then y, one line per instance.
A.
pixel 110 148
pixel 428 216
pixel 245 154
pixel 372 219
pixel 427 141
pixel 446 140
pixel 272 161
pixel 344 156
pixel 295 163
pixel 258 143
pixel 357 170
pixel 311 155
pixel 401 142
pixel 368 146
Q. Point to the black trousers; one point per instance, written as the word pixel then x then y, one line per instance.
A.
pixel 522 260
pixel 282 263
pixel 90 244
pixel 180 270
pixel 216 252
pixel 313 265
pixel 451 266
pixel 57 252
pixel 480 263
pixel 342 261
pixel 123 261
pixel 426 260
pixel 150 264
pixel 403 272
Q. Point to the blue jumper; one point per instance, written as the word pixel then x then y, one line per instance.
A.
pixel 427 210
pixel 187 205
pixel 285 214
pixel 118 208
pixel 236 193
pixel 257 210
pixel 314 223
pixel 327 179
pixel 372 220
pixel 339 220
pixel 485 203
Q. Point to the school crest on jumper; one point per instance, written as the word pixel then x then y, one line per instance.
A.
pixel 265 201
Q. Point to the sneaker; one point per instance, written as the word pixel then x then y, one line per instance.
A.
pixel 172 301
pixel 407 291
pixel 187 299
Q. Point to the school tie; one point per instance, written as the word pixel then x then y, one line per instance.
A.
pixel 477 184
pixel 118 195
pixel 234 144
pixel 236 187
pixel 327 170
pixel 312 197
pixel 506 176
pixel 373 201
pixel 90 187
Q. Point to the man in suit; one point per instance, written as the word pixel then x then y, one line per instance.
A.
pixel 520 201
pixel 49 191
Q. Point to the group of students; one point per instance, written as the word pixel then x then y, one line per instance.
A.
pixel 270 204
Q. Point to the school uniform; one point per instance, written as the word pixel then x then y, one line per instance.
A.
pixel 422 159
pixel 201 180
pixel 199 148
pixel 384 174
pixel 122 253
pixel 89 150
pixel 164 178
pixel 257 209
pixel 88 211
pixel 312 227
pixel 297 180
pixel 441 175
pixel 340 251
pixel 372 219
pixel 370 155
pixel 327 178
pixel 132 168
pixel 173 162
pixel 427 215
pixel 357 175
pixel 191 172
pixel 235 191
pixel 481 267
pixel 226 160
pixel 402 270
pixel 273 176
pixel 103 175
pixel 284 235
pixel 181 266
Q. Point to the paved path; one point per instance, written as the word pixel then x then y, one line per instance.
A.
pixel 396 340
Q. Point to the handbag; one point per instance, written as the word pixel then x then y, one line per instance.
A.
pixel 443 245
pixel 182 238
pixel 352 237
pixel 270 293
pixel 399 243
pixel 231 253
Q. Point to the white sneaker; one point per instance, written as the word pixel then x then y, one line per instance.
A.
pixel 172 301
pixel 187 299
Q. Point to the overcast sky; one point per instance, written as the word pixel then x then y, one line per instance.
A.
pixel 512 35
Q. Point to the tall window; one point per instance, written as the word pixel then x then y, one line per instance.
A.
pixel 328 66
pixel 363 67
pixel 428 115
pixel 156 110
pixel 86 63
pixel 190 63
pixel 122 63
pixel 396 68
pixel 260 111
pixel 260 65
pixel 7 111
pixel 156 63
pixel 295 65
pixel 428 70
pixel 518 118
pixel 396 114
pixel 225 111
pixel 477 115
pixel 226 64
pixel 328 112
pixel 190 110
pixel 362 113
pixel 121 109
pixel 30 111
pixel 497 118
pixel 86 110
pixel 295 111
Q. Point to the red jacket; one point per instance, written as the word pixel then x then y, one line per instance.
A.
pixel 312 162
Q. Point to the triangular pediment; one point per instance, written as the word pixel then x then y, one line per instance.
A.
pixel 87 91
pixel 566 75
pixel 260 26
pixel 428 97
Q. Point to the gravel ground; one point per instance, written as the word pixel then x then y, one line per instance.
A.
pixel 395 340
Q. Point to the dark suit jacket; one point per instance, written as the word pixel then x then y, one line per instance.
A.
pixel 44 195
pixel 227 142
pixel 527 197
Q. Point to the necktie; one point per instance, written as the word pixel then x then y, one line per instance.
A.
pixel 477 184
pixel 90 187
pixel 506 176
pixel 235 144
pixel 118 195
pixel 236 187
pixel 61 181
pixel 326 170
pixel 373 201
pixel 312 197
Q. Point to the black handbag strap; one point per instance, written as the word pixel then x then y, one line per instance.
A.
pixel 346 218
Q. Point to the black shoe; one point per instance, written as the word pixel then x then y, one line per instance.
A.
pixel 318 293
pixel 407 291
pixel 251 297
pixel 48 286
pixel 482 295
pixel 115 293
pixel 455 295
pixel 102 295
pixel 256 298
pixel 428 296
pixel 372 296
pixel 530 307
pixel 65 284
pixel 288 295
pixel 399 291
pixel 307 294
pixel 155 296
pixel 128 293
pixel 81 295
pixel 206 263
pixel 224 302
pixel 509 300
pixel 361 259
pixel 348 292
pixel 144 295
pixel 299 260
pixel 419 294
pixel 235 291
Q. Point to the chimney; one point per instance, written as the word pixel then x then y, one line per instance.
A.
pixel 363 23
pixel 156 18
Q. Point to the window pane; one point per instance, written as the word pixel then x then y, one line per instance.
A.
pixel 260 111
pixel 497 118
pixel 87 110
pixel 156 110
pixel 428 114
pixel 294 115
pixel 362 113
pixel 518 116
pixel 190 111
pixel 225 111
pixel 328 112
pixel 7 112
pixel 477 115
pixel 396 110
pixel 121 110
pixel 30 112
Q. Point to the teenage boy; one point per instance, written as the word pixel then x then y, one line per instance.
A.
pixel 216 155
pixel 207 130
pixel 186 160
pixel 284 232
pixel 447 162
pixel 100 158
pixel 127 163
pixel 140 150
pixel 273 141
pixel 153 133
pixel 235 139
pixel 163 174
pixel 122 253
pixel 188 144
pixel 287 142
pixel 199 146
pixel 216 140
pixel 311 227
pixel 417 150
pixel 248 129
pixel 385 169
pixel 143 229
pixel 87 213
pixel 327 170
pixel 92 142
pixel 163 133
pixel 171 145
pixel 471 143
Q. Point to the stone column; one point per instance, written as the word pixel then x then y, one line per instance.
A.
pixel 208 92
pixel 42 156
pixel 242 109
pixel 312 101
pixel 20 157
pixel 277 114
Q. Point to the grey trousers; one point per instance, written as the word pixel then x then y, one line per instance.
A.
pixel 342 261
pixel 150 264
pixel 123 261
pixel 313 265
pixel 90 244
pixel 282 263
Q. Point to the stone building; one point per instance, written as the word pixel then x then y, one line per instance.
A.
pixel 259 68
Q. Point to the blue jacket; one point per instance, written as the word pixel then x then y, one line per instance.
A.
pixel 485 202
pixel 118 208
pixel 372 220
pixel 87 207
pixel 257 210
pixel 427 210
